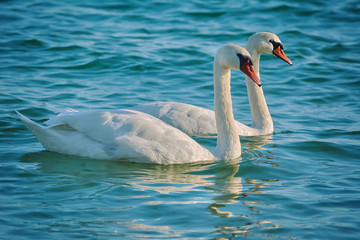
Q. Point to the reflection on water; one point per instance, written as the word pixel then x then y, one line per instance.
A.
pixel 255 143
pixel 228 185
pixel 158 186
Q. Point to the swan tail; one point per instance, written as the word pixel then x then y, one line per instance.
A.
pixel 31 125
pixel 62 138
pixel 46 135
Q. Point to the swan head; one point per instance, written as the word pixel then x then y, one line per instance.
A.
pixel 265 42
pixel 238 58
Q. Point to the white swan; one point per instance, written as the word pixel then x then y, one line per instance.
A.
pixel 139 137
pixel 197 121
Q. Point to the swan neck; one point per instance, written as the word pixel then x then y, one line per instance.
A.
pixel 261 118
pixel 255 57
pixel 228 142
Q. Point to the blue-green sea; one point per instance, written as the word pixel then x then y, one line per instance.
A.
pixel 302 182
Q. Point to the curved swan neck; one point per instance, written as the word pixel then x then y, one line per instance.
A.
pixel 228 142
pixel 259 110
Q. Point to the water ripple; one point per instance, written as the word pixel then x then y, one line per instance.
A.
pixel 299 183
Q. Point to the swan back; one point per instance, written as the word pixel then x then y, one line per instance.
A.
pixel 118 134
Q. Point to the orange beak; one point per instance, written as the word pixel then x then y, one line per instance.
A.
pixel 280 54
pixel 248 69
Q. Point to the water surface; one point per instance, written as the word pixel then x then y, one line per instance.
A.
pixel 299 183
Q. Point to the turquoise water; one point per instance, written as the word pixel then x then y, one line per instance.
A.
pixel 300 183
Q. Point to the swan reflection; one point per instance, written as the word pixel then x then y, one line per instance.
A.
pixel 224 189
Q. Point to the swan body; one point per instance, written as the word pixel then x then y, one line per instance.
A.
pixel 198 121
pixel 139 137
pixel 116 135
